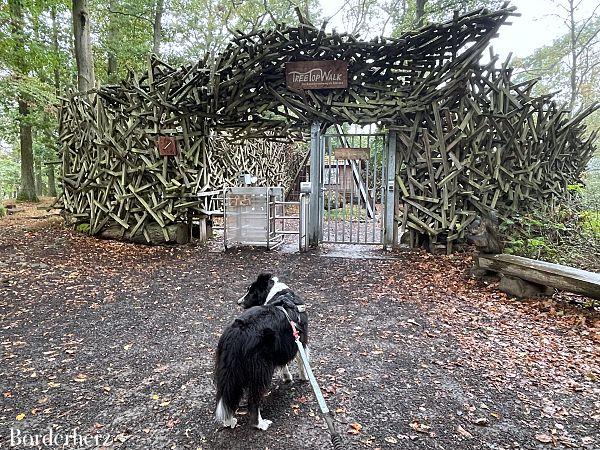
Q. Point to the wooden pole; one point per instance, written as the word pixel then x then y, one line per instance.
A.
pixel 316 165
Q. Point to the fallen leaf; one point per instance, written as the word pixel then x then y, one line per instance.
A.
pixel 545 438
pixel 20 416
pixel 355 428
pixel 464 433
pixel 420 427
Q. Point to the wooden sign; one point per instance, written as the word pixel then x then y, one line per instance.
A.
pixel 352 153
pixel 167 146
pixel 316 74
pixel 240 200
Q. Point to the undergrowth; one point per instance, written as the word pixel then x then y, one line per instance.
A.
pixel 567 235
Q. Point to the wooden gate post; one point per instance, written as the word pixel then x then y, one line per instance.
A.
pixel 316 166
pixel 390 182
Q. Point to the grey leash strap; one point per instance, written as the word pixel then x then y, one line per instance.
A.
pixel 336 439
pixel 311 378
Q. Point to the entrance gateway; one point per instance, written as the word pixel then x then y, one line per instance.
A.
pixel 352 187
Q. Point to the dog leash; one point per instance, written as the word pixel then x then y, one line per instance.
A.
pixel 336 439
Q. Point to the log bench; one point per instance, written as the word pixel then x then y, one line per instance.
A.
pixel 539 275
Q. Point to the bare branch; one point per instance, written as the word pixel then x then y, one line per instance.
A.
pixel 136 16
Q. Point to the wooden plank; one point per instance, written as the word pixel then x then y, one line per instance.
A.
pixel 544 273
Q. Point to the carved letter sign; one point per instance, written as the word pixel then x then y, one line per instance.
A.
pixel 352 153
pixel 167 146
pixel 316 74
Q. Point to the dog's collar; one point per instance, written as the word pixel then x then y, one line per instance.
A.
pixel 270 301
pixel 299 309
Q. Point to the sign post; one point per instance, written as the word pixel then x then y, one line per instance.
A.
pixel 389 197
pixel 316 167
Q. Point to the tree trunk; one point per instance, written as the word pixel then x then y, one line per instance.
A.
pixel 39 183
pixel 420 13
pixel 55 49
pixel 111 40
pixel 51 180
pixel 83 47
pixel 157 27
pixel 574 61
pixel 111 67
pixel 27 191
pixel 27 187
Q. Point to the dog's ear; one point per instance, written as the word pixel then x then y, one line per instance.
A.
pixel 263 278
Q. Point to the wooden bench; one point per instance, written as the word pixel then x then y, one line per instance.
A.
pixel 543 273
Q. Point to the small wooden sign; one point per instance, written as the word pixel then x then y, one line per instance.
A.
pixel 167 146
pixel 316 74
pixel 240 200
pixel 352 153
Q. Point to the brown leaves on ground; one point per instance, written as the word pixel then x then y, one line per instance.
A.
pixel 549 341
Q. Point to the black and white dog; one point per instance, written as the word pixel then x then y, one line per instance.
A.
pixel 254 345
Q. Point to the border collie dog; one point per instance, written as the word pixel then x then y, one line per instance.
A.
pixel 259 341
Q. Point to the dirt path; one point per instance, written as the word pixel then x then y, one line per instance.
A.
pixel 117 339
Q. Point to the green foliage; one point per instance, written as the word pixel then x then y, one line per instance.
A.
pixel 207 25
pixel 83 228
pixel 2 211
pixel 567 235
pixel 577 83
pixel 10 175
pixel 348 212
pixel 405 19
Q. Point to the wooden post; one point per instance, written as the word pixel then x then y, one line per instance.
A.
pixel 316 166
pixel 388 219
pixel 397 222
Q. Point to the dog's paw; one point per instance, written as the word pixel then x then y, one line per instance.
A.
pixel 230 422
pixel 263 424
pixel 286 375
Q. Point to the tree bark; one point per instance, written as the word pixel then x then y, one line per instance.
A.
pixel 27 187
pixel 83 46
pixel 55 49
pixel 111 38
pixel 51 180
pixel 157 27
pixel 420 13
pixel 39 183
pixel 574 59
pixel 27 191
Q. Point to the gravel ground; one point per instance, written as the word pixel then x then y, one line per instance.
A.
pixel 118 340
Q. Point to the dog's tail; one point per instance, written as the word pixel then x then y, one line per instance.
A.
pixel 228 377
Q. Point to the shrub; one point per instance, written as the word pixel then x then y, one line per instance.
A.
pixel 566 235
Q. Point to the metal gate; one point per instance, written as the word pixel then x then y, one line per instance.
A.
pixel 355 193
